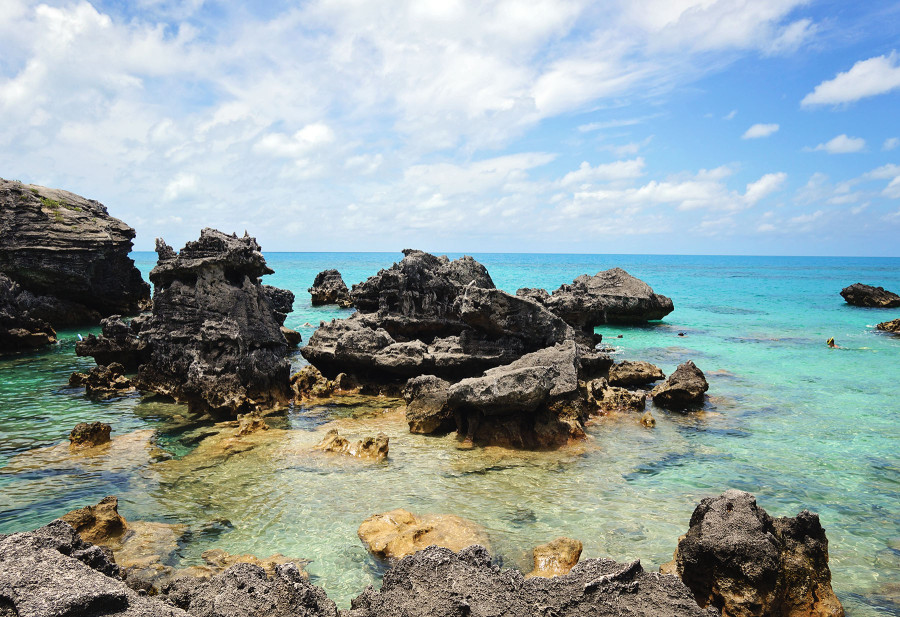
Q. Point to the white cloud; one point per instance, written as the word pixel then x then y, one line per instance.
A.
pixel 760 130
pixel 892 190
pixel 841 145
pixel 866 78
pixel 182 186
pixel 730 115
pixel 619 170
pixel 763 187
pixel 890 143
pixel 300 143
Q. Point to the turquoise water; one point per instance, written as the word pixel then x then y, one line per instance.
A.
pixel 798 424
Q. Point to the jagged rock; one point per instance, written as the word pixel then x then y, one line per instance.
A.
pixel 92 434
pixel 69 257
pixel 398 533
pixel 282 301
pixel 292 337
pixel 619 399
pixel 858 294
pixel 308 382
pixel 748 564
pixel 345 383
pixel 648 420
pixel 375 448
pixel 103 381
pixel 684 388
pixel 628 373
pixel 249 423
pixel 119 342
pixel 329 288
pixel 98 524
pixel 18 328
pixel 217 561
pixel 426 404
pixel 244 589
pixel 608 296
pixel 439 583
pixel 890 326
pixel 556 557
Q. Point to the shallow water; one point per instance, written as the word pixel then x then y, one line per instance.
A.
pixel 798 424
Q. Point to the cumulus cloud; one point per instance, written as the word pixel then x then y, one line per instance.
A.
pixel 763 187
pixel 866 78
pixel 890 143
pixel 841 145
pixel 760 130
pixel 619 170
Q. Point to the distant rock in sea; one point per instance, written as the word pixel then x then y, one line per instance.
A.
pixel 892 326
pixel 63 262
pixel 858 294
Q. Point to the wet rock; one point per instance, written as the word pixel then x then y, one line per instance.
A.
pixel 628 373
pixel 19 329
pixel 648 420
pixel 217 561
pixel 556 557
pixel 746 563
pixel 890 326
pixel 621 399
pixel 251 422
pixel 244 589
pixel 308 383
pixel 608 296
pixel 292 337
pixel 684 388
pixel 398 533
pixel 68 256
pixel 427 410
pixel 345 383
pixel 858 294
pixel 99 524
pixel 374 448
pixel 90 434
pixel 439 583
pixel 329 288
pixel 103 381
pixel 118 342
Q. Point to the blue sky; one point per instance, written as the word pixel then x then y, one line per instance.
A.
pixel 625 126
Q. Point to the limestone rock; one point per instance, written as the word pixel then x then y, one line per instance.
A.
pixel 684 388
pixel 621 399
pixel 308 383
pixel 329 288
pixel 398 533
pixel 249 423
pixel 741 560
pixel 439 583
pixel 119 342
pixel 93 434
pixel 890 326
pixel 282 301
pixel 427 409
pixel 628 373
pixel 218 561
pixel 98 524
pixel 374 448
pixel 103 381
pixel 858 294
pixel 648 420
pixel 292 337
pixel 19 329
pixel 556 557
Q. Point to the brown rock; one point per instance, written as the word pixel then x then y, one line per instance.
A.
pixel 556 558
pixel 250 423
pixel 398 533
pixel 292 337
pixel 684 388
pixel 308 382
pixel 218 561
pixel 103 381
pixel 890 326
pixel 620 399
pixel 375 448
pixel 628 373
pixel 648 420
pixel 88 435
pixel 98 524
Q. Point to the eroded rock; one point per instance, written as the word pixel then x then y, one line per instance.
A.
pixel 892 326
pixel 103 381
pixel 398 533
pixel 118 343
pixel 556 557
pixel 629 373
pixel 309 383
pixel 427 409
pixel 90 434
pixel 19 329
pixel 329 288
pixel 374 448
pixel 684 388
pixel 99 524
pixel 858 294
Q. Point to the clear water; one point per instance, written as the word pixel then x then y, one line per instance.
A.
pixel 798 424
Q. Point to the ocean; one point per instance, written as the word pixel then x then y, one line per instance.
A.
pixel 796 423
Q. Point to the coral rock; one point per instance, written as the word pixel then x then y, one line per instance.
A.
pixel 329 288
pixel 556 557
pixel 398 533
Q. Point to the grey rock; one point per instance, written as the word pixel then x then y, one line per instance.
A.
pixel 329 288
pixel 426 399
pixel 19 329
pixel 684 388
pixel 282 301
pixel 119 342
pixel 629 373
pixel 858 294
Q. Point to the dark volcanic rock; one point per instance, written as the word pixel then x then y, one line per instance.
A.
pixel 890 326
pixel 282 301
pixel 684 388
pixel 858 294
pixel 68 254
pixel 439 583
pixel 329 288
pixel 608 296
pixel 119 342
pixel 741 560
pixel 18 328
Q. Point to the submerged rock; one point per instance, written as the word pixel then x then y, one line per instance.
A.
pixel 93 434
pixel 374 448
pixel 103 381
pixel 437 582
pixel 858 294
pixel 556 557
pixel 329 288
pixel 890 326
pixel 684 388
pixel 309 382
pixel 398 533
pixel 216 561
pixel 68 256
pixel 648 420
pixel 748 564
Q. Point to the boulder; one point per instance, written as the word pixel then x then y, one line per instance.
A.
pixel 90 434
pixel 249 423
pixel 329 288
pixel 69 257
pixel 648 420
pixel 119 342
pixel 684 388
pixel 99 524
pixel 373 448
pixel 398 533
pixel 309 383
pixel 608 296
pixel 556 557
pixel 892 326
pixel 620 399
pixel 628 373
pixel 858 294
pixel 427 409
pixel 440 583
pixel 292 337
pixel 746 563
pixel 103 381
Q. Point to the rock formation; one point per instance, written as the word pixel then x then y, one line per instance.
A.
pixel 214 337
pixel 556 557
pixel 89 435
pixel 309 383
pixel 858 294
pixel 684 388
pixel 439 583
pixel 19 330
pixel 398 533
pixel 746 563
pixel 119 342
pixel 68 257
pixel 608 296
pixel 98 524
pixel 329 288
pixel 103 381
pixel 374 448
pixel 892 326
pixel 427 408
pixel 628 373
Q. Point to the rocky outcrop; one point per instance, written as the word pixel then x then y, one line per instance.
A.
pixel 89 435
pixel 398 533
pixel 372 448
pixel 119 342
pixel 746 563
pixel 329 288
pixel 68 256
pixel 892 326
pixel 103 381
pixel 684 388
pixel 628 373
pixel 556 557
pixel 427 409
pixel 439 583
pixel 613 398
pixel 858 294
pixel 98 524
pixel 19 330
pixel 607 297
pixel 213 339
pixel 309 383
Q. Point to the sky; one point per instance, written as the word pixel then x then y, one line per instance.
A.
pixel 760 127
